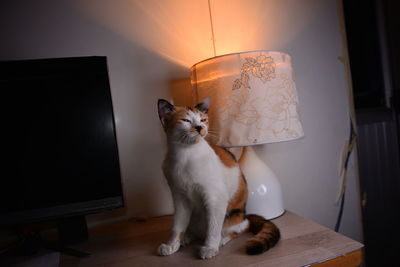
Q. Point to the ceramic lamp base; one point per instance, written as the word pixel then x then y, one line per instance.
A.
pixel 265 193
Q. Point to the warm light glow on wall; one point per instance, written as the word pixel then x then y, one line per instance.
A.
pixel 242 25
pixel 180 30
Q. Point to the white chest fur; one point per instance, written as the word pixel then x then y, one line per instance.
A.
pixel 196 168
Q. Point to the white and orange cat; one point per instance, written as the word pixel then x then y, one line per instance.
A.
pixel 208 189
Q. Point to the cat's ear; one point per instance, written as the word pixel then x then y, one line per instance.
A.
pixel 204 105
pixel 165 110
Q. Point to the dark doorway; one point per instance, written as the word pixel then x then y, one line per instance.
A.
pixel 373 34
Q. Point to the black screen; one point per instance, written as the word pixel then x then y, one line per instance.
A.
pixel 59 144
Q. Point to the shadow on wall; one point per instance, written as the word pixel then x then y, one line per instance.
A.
pixel 142 72
pixel 182 92
pixel 174 29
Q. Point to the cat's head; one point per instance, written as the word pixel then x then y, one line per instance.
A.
pixel 185 125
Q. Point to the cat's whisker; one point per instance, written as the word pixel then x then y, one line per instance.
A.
pixel 213 131
pixel 212 138
pixel 183 137
pixel 212 135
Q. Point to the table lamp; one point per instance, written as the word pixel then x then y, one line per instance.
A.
pixel 253 101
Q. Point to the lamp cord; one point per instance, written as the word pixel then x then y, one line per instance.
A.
pixel 352 140
pixel 212 27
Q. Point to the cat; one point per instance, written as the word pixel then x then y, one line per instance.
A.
pixel 208 189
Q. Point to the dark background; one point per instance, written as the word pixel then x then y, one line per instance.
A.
pixel 373 34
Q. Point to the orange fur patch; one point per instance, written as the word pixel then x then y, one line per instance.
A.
pixel 237 203
pixel 225 156
pixel 179 113
pixel 233 235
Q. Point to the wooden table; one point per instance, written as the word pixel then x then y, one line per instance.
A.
pixel 134 243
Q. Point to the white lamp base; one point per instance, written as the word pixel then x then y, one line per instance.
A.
pixel 265 193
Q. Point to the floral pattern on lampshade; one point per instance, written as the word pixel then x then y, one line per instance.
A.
pixel 253 97
pixel 261 67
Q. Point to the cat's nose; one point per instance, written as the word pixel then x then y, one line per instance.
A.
pixel 198 128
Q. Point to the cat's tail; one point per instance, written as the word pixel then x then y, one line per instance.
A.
pixel 266 234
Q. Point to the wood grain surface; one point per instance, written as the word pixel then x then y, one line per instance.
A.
pixel 133 243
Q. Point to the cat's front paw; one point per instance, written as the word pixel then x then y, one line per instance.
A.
pixel 165 250
pixel 207 252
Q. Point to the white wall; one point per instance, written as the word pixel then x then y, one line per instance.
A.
pixel 150 44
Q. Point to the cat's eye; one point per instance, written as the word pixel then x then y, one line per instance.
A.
pixel 203 120
pixel 186 120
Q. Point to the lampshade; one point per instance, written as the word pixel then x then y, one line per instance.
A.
pixel 253 97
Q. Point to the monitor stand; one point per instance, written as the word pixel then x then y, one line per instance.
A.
pixel 31 245
pixel 72 230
